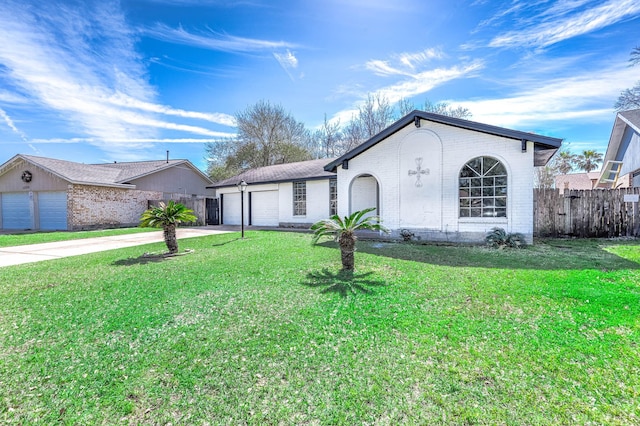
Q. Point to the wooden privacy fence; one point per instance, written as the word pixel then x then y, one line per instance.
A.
pixel 585 214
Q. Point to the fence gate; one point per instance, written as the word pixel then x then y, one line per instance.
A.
pixel 213 212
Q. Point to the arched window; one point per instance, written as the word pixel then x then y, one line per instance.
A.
pixel 483 188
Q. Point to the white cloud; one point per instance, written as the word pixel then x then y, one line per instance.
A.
pixel 213 40
pixel 9 122
pixel 123 100
pixel 415 84
pixel 99 86
pixel 585 97
pixel 287 61
pixel 548 28
pixel 407 63
pixel 218 136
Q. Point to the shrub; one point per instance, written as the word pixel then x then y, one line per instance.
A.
pixel 498 238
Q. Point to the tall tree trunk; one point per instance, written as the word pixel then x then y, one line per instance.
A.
pixel 347 242
pixel 170 238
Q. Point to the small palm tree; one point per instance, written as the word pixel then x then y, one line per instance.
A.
pixel 343 231
pixel 167 217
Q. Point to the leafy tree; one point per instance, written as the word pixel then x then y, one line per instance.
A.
pixel 267 135
pixel 630 98
pixel 589 160
pixel 343 230
pixel 167 217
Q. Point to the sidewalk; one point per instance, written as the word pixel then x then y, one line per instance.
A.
pixel 36 252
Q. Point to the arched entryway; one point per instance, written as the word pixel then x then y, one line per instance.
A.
pixel 364 192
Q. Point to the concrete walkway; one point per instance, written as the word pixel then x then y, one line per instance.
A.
pixel 36 252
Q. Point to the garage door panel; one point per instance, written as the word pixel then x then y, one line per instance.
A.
pixel 17 211
pixel 231 209
pixel 52 210
pixel 265 208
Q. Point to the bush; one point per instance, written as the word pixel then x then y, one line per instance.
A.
pixel 498 238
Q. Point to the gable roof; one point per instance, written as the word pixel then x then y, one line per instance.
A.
pixel 307 170
pixel 545 146
pixel 624 119
pixel 108 174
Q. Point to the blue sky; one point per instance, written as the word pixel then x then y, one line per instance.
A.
pixel 100 81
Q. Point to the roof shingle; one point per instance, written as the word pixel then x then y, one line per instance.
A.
pixel 312 169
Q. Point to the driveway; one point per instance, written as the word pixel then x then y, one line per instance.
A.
pixel 36 252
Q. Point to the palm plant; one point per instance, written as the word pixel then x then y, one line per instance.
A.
pixel 343 231
pixel 564 161
pixel 589 160
pixel 167 216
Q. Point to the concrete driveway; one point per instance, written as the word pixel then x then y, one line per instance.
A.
pixel 36 252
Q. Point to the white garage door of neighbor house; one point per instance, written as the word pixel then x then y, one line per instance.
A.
pixel 265 208
pixel 17 211
pixel 231 209
pixel 52 209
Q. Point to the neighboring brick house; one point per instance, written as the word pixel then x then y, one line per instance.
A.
pixel 440 177
pixel 41 193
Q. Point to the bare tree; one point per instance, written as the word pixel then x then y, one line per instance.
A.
pixel 328 139
pixel 267 135
pixel 544 177
pixel 443 108
pixel 375 115
pixel 405 106
pixel 630 98
pixel 352 135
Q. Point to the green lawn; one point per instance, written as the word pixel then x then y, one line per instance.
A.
pixel 19 239
pixel 267 331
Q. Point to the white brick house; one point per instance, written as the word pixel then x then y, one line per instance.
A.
pixel 442 178
pixel 38 193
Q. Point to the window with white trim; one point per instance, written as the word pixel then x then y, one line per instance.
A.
pixel 333 197
pixel 483 188
pixel 299 198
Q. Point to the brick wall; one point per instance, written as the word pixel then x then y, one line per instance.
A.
pixel 91 207
pixel 385 162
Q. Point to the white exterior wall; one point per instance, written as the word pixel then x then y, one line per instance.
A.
pixel 384 162
pixel 317 203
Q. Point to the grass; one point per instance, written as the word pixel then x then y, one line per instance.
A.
pixel 19 239
pixel 267 330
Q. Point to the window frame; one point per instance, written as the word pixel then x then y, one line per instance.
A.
pixel 299 195
pixel 483 189
pixel 333 196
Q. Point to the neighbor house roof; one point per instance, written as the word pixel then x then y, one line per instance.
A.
pixel 307 170
pixel 577 180
pixel 109 174
pixel 624 119
pixel 545 146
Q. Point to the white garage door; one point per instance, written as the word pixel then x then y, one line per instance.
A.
pixel 52 209
pixel 264 208
pixel 17 211
pixel 231 209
